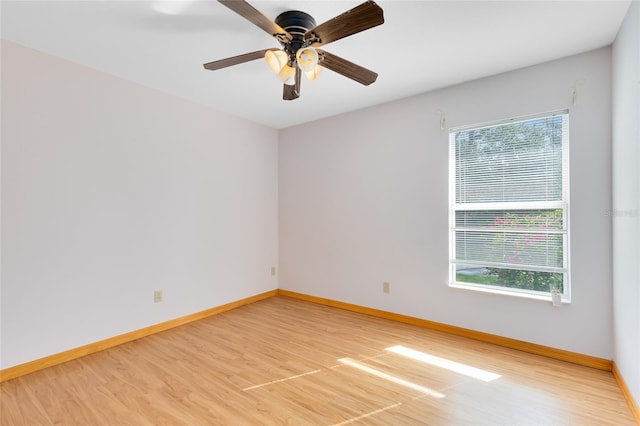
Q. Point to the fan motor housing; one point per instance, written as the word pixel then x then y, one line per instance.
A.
pixel 295 22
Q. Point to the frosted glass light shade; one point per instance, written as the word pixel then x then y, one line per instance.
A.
pixel 287 75
pixel 307 58
pixel 313 74
pixel 276 60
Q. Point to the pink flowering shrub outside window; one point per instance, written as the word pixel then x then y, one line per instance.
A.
pixel 521 248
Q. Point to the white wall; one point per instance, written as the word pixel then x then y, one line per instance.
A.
pixel 111 190
pixel 626 200
pixel 364 199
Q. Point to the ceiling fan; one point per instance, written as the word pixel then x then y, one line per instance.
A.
pixel 300 39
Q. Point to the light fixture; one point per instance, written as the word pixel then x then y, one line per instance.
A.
pixel 276 60
pixel 278 63
pixel 307 58
pixel 313 74
pixel 287 75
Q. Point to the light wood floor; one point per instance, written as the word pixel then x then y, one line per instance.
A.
pixel 286 361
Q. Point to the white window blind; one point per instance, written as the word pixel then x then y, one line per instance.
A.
pixel 509 203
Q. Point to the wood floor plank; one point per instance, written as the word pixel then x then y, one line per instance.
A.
pixel 282 361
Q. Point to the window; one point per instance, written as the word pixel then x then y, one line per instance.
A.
pixel 509 199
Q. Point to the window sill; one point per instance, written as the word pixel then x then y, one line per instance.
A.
pixel 512 293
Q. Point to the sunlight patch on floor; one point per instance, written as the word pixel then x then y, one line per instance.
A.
pixel 391 378
pixel 456 367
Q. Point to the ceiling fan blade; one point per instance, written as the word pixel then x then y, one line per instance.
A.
pixel 291 92
pixel 235 60
pixel 360 18
pixel 253 15
pixel 346 68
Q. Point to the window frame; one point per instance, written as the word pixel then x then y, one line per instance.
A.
pixel 563 204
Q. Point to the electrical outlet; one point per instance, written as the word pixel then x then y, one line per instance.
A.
pixel 157 296
pixel 273 271
pixel 385 287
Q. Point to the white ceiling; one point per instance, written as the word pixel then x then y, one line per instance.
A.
pixel 422 46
